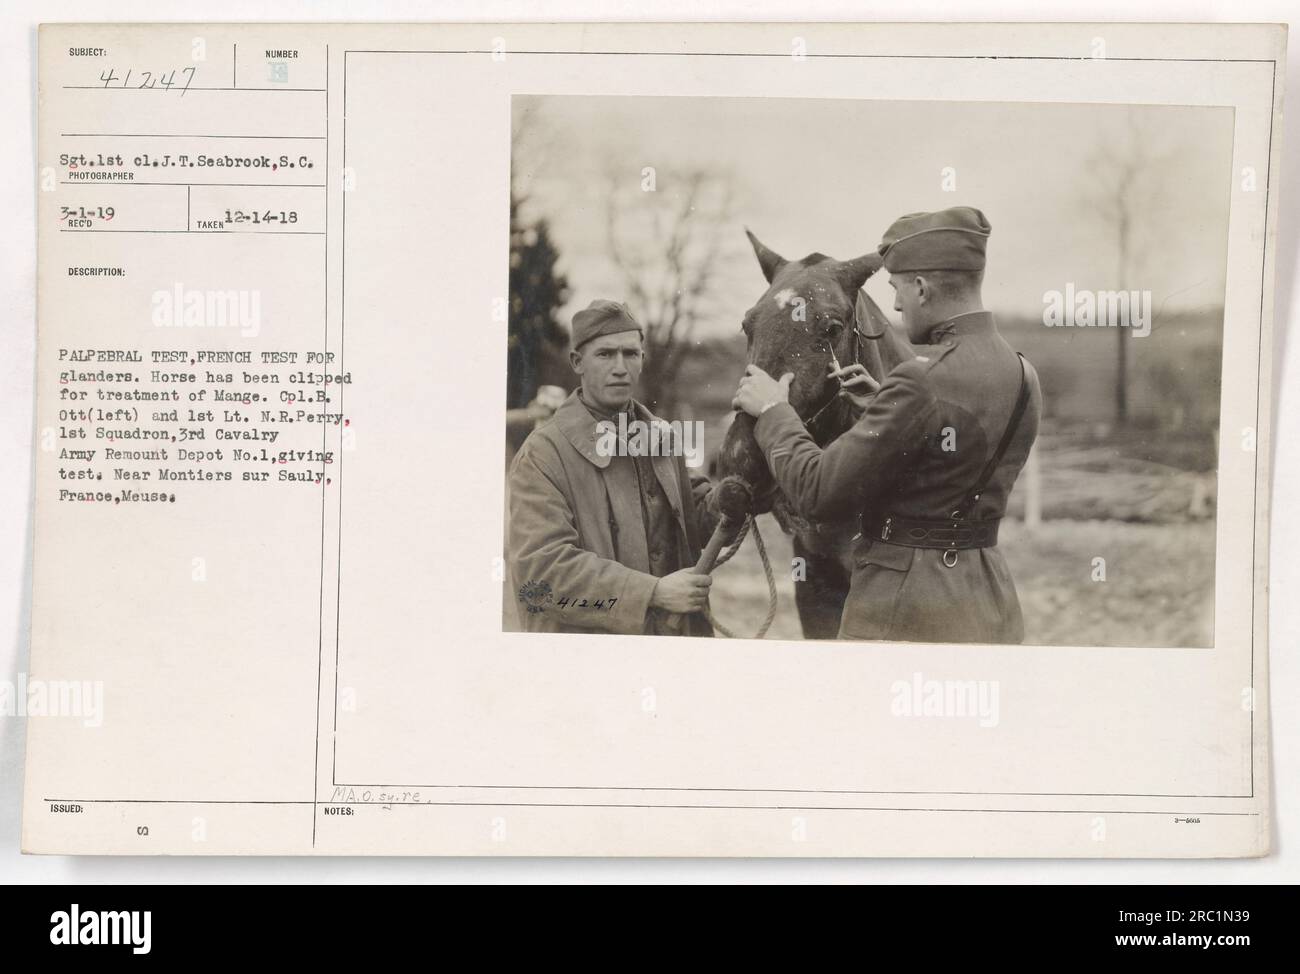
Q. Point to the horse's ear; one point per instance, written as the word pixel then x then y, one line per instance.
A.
pixel 852 274
pixel 769 260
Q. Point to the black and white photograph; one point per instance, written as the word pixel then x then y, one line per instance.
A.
pixel 696 448
pixel 822 368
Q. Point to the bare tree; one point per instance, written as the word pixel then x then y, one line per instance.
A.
pixel 664 233
pixel 1125 186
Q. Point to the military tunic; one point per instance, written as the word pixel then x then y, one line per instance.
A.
pixel 916 452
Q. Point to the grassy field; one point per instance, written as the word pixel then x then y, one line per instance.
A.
pixel 1159 587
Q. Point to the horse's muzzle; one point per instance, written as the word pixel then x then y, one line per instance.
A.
pixel 734 498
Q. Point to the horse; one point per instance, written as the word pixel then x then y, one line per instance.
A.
pixel 813 311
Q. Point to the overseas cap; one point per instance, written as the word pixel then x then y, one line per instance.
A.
pixel 946 240
pixel 602 317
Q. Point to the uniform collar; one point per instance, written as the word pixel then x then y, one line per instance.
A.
pixel 578 425
pixel 600 412
pixel 970 323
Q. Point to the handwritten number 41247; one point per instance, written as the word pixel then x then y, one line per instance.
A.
pixel 148 79
pixel 568 603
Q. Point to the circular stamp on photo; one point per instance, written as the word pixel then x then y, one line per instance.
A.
pixel 535 596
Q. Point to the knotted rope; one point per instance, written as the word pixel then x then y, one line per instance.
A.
pixel 748 525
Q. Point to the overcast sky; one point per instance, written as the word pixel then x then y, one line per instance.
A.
pixel 831 175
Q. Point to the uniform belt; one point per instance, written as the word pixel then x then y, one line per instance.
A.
pixel 951 535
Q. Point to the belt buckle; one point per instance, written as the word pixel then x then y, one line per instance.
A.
pixel 956 518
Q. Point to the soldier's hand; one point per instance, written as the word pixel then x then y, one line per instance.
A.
pixel 682 591
pixel 539 410
pixel 758 390
pixel 856 383
pixel 546 402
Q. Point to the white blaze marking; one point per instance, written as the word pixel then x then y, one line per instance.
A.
pixel 783 297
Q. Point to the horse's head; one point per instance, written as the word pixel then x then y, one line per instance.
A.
pixel 805 315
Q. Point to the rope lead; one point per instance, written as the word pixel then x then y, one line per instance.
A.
pixel 767 572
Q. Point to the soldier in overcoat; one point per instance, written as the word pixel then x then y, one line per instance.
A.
pixel 603 539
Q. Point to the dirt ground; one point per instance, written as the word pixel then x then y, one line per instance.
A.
pixel 1158 588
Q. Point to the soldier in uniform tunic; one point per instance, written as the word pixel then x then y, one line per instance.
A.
pixel 599 539
pixel 926 564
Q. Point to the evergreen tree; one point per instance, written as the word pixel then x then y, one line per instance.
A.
pixel 537 343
